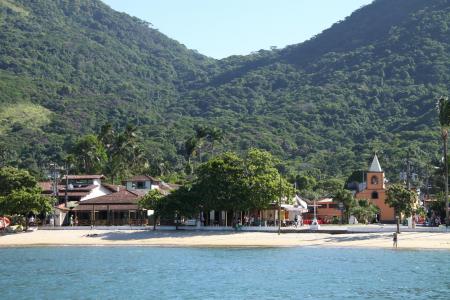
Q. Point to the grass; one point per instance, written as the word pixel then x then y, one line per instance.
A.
pixel 14 7
pixel 23 115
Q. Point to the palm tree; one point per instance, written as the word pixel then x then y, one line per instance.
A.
pixel 215 135
pixel 190 147
pixel 90 153
pixel 122 150
pixel 443 106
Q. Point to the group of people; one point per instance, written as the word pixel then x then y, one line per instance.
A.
pixel 73 221
pixel 298 220
pixel 249 221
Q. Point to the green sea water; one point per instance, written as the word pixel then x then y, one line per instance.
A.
pixel 211 273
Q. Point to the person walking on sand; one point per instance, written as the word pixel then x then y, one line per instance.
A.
pixel 394 239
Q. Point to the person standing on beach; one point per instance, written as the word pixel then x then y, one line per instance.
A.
pixel 394 239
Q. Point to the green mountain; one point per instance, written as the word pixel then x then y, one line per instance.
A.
pixel 368 83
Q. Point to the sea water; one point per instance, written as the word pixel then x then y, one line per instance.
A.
pixel 212 273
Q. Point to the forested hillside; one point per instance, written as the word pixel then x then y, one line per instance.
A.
pixel 369 83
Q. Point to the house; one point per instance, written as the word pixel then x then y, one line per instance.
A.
pixel 374 190
pixel 79 188
pixel 119 208
pixel 142 182
pixel 328 210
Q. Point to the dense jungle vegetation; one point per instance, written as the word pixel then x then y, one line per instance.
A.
pixel 369 83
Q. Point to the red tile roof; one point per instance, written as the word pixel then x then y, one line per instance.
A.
pixel 120 197
pixel 98 207
pixel 113 187
pixel 46 186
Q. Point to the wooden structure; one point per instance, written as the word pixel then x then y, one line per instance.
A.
pixel 120 208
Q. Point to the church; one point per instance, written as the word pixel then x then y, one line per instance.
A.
pixel 374 190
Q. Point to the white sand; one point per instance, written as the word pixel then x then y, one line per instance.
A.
pixel 407 240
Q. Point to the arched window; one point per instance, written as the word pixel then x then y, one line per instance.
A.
pixel 374 180
pixel 374 195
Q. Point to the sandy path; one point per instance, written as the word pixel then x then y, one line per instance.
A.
pixel 407 240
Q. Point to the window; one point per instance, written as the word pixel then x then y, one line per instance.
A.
pixel 374 195
pixel 374 180
pixel 140 185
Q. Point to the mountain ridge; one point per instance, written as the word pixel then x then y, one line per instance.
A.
pixel 323 106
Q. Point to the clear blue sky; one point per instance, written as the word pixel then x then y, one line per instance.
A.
pixel 220 28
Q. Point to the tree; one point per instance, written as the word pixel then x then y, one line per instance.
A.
pixel 14 179
pixel 264 184
pixel 23 202
pixel 402 200
pixel 189 149
pixel 181 202
pixel 443 106
pixel 305 182
pixel 346 197
pixel 229 182
pixel 90 154
pixel 331 185
pixel 122 150
pixel 364 211
pixel 220 183
pixel 19 194
pixel 152 200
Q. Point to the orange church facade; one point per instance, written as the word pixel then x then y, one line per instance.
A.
pixel 375 191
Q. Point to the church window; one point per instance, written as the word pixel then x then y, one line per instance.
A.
pixel 374 180
pixel 374 195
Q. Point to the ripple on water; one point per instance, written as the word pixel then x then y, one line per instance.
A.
pixel 180 273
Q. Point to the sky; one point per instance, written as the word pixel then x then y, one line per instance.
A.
pixel 220 28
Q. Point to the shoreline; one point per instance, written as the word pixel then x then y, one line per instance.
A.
pixel 202 239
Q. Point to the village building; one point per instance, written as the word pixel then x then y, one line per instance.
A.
pixel 142 182
pixel 77 188
pixel 327 211
pixel 374 190
pixel 87 200
pixel 119 208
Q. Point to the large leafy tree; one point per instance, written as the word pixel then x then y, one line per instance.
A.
pixel 19 194
pixel 229 182
pixel 262 180
pixel 152 200
pixel 90 154
pixel 347 199
pixel 402 200
pixel 443 106
pixel 14 179
pixel 23 202
pixel 220 183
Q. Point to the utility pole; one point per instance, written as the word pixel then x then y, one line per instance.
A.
pixel 66 197
pixel 408 172
pixel 279 209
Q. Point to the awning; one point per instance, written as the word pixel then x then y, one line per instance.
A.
pixel 294 208
pixel 300 202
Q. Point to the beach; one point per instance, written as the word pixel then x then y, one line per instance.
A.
pixel 407 240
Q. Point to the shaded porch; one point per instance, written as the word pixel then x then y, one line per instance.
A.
pixel 109 215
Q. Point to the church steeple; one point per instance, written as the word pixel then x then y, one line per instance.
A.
pixel 375 166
